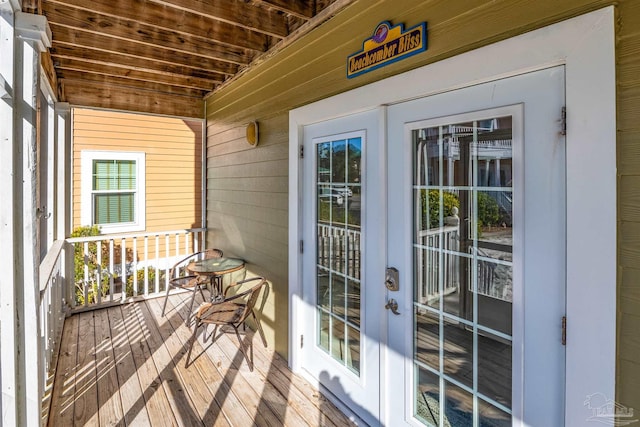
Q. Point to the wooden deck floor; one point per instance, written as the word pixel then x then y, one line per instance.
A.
pixel 125 365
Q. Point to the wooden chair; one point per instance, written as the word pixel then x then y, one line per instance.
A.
pixel 232 311
pixel 180 277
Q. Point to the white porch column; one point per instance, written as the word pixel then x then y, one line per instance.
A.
pixel 63 213
pixel 32 36
pixel 63 159
pixel 8 214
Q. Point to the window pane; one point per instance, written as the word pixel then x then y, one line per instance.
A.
pixel 113 208
pixel 112 205
pixel 114 175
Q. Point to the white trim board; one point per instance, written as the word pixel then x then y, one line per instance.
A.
pixel 585 45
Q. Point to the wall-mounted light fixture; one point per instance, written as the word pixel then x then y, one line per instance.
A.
pixel 252 134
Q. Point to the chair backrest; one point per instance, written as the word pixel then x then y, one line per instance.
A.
pixel 252 298
pixel 247 299
pixel 212 253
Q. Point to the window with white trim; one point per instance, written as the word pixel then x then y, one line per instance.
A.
pixel 113 190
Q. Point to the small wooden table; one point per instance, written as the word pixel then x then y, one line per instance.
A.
pixel 214 269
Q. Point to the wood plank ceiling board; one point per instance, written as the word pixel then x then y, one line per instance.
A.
pixel 164 56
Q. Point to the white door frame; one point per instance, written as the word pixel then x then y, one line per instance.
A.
pixel 585 45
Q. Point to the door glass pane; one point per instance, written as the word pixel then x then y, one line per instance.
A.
pixel 338 249
pixel 427 397
pixel 490 416
pixel 463 271
pixel 458 406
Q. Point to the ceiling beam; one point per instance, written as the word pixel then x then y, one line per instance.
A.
pixel 84 39
pixel 304 9
pixel 263 20
pixel 141 64
pixel 134 31
pixel 98 95
pixel 170 19
pixel 126 84
pixel 128 73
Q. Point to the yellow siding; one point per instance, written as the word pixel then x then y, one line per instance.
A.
pixel 173 160
pixel 243 181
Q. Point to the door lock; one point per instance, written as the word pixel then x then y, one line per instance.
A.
pixel 393 306
pixel 392 279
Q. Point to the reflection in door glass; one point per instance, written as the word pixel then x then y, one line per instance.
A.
pixel 338 266
pixel 463 281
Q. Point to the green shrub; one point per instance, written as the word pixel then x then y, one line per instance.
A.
pixel 152 272
pixel 449 200
pixel 488 211
pixel 91 261
pixel 95 284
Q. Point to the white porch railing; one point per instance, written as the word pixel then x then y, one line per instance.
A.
pixel 443 243
pixel 339 249
pixel 110 269
pixel 51 316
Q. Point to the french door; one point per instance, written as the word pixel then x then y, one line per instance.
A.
pixel 480 184
pixel 434 258
pixel 343 259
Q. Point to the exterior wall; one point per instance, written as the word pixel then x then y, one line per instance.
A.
pixel 314 68
pixel 173 150
pixel 247 190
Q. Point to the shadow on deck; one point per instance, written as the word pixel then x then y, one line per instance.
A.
pixel 125 365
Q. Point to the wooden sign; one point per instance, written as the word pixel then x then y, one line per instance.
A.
pixel 387 45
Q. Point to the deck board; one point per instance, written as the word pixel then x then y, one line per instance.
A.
pixel 237 402
pixel 134 409
pixel 153 395
pixel 109 399
pixel 63 395
pixel 125 365
pixel 85 408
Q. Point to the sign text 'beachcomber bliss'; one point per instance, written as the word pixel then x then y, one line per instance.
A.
pixel 388 44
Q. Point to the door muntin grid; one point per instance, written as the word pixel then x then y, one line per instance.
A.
pixel 338 249
pixel 463 272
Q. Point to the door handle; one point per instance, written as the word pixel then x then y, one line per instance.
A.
pixel 392 305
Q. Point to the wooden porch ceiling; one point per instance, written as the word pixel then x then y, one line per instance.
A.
pixel 164 56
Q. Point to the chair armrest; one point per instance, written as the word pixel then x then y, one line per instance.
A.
pixel 240 283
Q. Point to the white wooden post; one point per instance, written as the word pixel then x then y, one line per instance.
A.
pixel 63 185
pixel 51 171
pixel 32 37
pixel 9 214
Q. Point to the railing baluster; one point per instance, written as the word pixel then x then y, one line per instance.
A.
pixel 166 260
pixel 99 268
pixel 157 265
pixel 146 265
pixel 135 266
pixel 187 238
pixel 111 270
pixel 85 283
pixel 123 267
